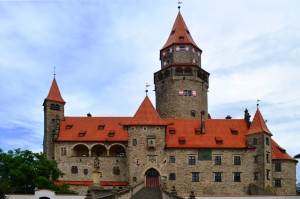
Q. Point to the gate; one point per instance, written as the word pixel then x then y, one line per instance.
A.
pixel 152 178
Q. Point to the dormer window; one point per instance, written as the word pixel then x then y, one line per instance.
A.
pixel 172 130
pixel 111 134
pixel 198 131
pixel 69 126
pixel 219 140
pixel 188 32
pixel 173 31
pixel 181 140
pixel 101 127
pixel 234 132
pixel 81 134
pixel 181 38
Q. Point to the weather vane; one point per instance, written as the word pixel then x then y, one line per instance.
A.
pixel 257 103
pixel 147 85
pixel 179 2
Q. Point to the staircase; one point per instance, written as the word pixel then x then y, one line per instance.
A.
pixel 148 193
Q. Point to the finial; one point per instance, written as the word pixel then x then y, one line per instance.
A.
pixel 257 103
pixel 147 85
pixel 179 2
pixel 54 71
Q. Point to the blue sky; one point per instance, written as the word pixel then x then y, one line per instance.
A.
pixel 105 51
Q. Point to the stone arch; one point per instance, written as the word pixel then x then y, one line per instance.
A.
pixel 80 150
pixel 99 150
pixel 117 150
pixel 152 177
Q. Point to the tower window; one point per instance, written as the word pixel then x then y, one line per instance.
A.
pixel 267 141
pixel 277 183
pixel 172 159
pixel 85 171
pixel 116 170
pixel 55 107
pixel 74 169
pixel 277 167
pixel 256 176
pixel 172 176
pixel 134 142
pixel 256 159
pixel 63 151
pixel 254 141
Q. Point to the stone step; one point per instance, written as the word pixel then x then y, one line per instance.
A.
pixel 148 193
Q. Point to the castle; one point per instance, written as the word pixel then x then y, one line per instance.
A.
pixel 176 144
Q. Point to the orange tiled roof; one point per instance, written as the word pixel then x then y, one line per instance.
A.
pixel 90 183
pixel 146 115
pixel 216 130
pixel 258 125
pixel 179 30
pixel 54 93
pixel 70 128
pixel 279 153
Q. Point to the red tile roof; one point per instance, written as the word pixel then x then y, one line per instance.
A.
pixel 279 153
pixel 54 93
pixel 258 125
pixel 146 115
pixel 180 30
pixel 216 130
pixel 90 183
pixel 89 126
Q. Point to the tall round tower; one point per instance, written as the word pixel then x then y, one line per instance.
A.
pixel 181 84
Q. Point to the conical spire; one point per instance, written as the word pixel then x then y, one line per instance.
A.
pixel 258 125
pixel 180 34
pixel 146 115
pixel 54 93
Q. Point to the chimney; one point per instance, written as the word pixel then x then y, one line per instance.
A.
pixel 202 122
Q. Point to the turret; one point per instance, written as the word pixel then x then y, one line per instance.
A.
pixel 53 113
pixel 181 84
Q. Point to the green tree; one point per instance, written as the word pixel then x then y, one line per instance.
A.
pixel 22 172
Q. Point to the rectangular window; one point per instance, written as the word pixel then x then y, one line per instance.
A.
pixel 237 177
pixel 268 174
pixel 218 160
pixel 277 183
pixel 256 159
pixel 195 177
pixel 192 160
pixel 256 176
pixel 63 151
pixel 254 141
pixel 218 177
pixel 172 176
pixel 172 159
pixel 268 157
pixel 134 142
pixel 277 167
pixel 74 169
pixel 267 141
pixel 237 160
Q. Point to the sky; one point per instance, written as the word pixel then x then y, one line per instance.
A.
pixel 104 52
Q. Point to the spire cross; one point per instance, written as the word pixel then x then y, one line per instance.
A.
pixel 147 85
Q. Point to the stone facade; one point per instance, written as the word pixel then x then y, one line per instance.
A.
pixel 181 88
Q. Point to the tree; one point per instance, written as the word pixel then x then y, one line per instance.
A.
pixel 22 172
